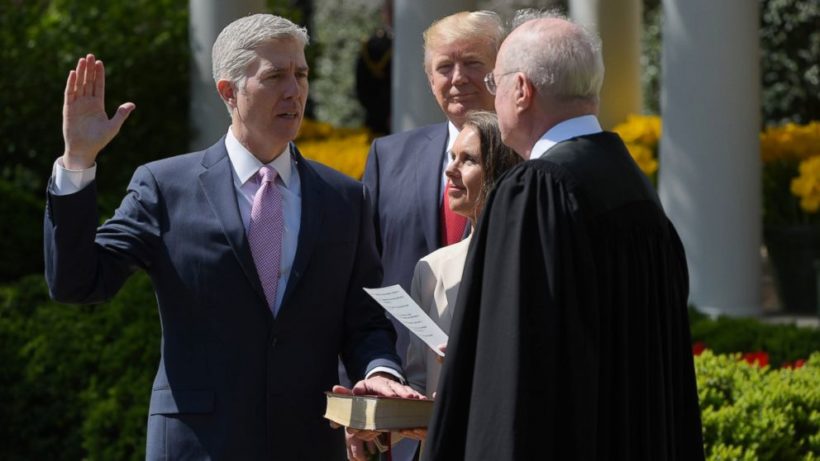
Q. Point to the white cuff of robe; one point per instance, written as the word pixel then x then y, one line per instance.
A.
pixel 65 181
pixel 387 370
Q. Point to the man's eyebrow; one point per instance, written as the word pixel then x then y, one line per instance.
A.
pixel 272 69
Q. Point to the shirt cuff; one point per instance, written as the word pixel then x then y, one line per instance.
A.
pixel 65 181
pixel 387 370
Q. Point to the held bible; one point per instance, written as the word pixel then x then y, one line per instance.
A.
pixel 376 413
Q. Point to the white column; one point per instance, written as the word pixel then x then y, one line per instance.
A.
pixel 209 119
pixel 710 153
pixel 619 24
pixel 412 102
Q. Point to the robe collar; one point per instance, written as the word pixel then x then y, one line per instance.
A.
pixel 571 128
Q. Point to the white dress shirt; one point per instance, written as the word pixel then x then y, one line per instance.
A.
pixel 452 133
pixel 571 128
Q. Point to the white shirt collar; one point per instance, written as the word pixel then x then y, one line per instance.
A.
pixel 571 128
pixel 452 134
pixel 246 165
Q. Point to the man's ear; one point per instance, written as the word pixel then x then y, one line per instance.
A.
pixel 524 92
pixel 227 92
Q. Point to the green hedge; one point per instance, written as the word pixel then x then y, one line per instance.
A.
pixel 754 413
pixel 21 227
pixel 75 380
pixel 725 335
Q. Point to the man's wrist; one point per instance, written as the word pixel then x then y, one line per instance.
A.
pixel 77 162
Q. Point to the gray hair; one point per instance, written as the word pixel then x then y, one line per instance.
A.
pixel 483 27
pixel 526 14
pixel 567 64
pixel 233 50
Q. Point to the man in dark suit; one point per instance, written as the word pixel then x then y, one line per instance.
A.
pixel 258 258
pixel 405 171
pixel 570 336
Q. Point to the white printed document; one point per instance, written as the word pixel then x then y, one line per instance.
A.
pixel 401 306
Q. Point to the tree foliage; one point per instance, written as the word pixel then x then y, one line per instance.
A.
pixel 144 44
pixel 790 65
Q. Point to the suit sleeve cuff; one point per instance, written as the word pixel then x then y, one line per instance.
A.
pixel 65 181
pixel 387 370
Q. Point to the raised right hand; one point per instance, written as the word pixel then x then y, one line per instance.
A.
pixel 86 127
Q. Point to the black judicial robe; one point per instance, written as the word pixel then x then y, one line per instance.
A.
pixel 570 337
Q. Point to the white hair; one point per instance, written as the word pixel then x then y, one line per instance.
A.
pixel 566 64
pixel 233 50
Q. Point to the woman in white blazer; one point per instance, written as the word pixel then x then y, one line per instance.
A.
pixel 479 159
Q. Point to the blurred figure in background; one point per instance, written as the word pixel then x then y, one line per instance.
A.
pixel 373 74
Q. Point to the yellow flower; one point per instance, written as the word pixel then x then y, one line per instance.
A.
pixel 314 129
pixel 641 129
pixel 807 185
pixel 644 157
pixel 641 134
pixel 790 142
pixel 343 149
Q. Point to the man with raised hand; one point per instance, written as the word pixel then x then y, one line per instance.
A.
pixel 257 256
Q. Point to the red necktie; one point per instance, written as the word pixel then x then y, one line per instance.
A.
pixel 452 224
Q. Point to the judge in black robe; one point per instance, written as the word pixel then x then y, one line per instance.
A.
pixel 570 337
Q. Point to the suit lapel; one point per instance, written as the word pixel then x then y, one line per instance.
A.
pixel 217 183
pixel 429 161
pixel 312 213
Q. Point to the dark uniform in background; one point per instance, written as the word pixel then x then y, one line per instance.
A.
pixel 373 80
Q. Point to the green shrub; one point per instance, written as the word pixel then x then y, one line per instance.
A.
pixel 117 395
pixel 75 380
pixel 754 413
pixel 144 44
pixel 783 343
pixel 22 229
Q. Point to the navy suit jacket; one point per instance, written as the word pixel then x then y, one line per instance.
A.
pixel 233 382
pixel 403 177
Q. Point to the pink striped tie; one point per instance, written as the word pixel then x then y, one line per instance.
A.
pixel 265 233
